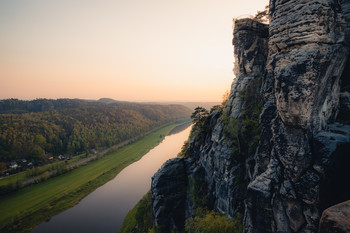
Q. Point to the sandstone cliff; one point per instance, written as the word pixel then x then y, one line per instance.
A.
pixel 285 169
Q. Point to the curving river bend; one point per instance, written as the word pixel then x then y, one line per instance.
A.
pixel 104 209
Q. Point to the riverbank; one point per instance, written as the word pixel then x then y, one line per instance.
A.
pixel 23 210
pixel 76 160
pixel 180 127
pixel 139 218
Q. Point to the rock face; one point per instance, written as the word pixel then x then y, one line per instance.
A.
pixel 171 179
pixel 336 219
pixel 250 50
pixel 294 172
pixel 214 172
pixel 307 58
pixel 298 69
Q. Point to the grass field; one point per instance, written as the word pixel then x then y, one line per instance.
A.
pixel 21 211
pixel 13 178
pixel 22 175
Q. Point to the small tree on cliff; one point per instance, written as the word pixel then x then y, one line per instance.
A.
pixel 199 115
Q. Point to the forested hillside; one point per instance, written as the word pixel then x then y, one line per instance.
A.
pixel 34 129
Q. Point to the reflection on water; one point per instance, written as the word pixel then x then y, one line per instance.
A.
pixel 104 209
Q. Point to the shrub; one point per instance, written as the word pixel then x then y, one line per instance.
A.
pixel 213 222
pixel 243 133
pixel 139 219
pixel 199 200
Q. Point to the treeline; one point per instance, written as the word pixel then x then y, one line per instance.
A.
pixel 39 105
pixel 75 126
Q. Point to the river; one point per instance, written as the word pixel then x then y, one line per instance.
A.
pixel 105 209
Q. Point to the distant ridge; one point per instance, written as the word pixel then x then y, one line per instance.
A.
pixel 108 100
pixel 190 105
pixel 42 105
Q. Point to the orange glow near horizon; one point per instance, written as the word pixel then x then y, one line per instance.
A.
pixel 126 50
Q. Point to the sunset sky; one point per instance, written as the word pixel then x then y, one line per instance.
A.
pixel 136 50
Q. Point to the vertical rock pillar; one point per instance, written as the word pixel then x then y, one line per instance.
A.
pixel 308 50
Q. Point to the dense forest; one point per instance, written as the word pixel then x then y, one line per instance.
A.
pixel 35 129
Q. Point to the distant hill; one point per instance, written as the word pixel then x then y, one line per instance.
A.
pixel 107 100
pixel 191 105
pixel 33 129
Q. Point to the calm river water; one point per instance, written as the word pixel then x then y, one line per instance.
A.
pixel 104 209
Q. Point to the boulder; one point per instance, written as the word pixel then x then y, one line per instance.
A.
pixel 336 219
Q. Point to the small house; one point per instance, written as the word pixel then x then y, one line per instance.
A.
pixel 93 151
pixel 13 165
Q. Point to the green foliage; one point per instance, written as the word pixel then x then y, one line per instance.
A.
pixel 139 219
pixel 10 187
pixel 183 149
pixel 73 126
pixel 45 176
pixel 204 123
pixel 213 222
pixel 201 125
pixel 37 152
pixel 231 131
pixel 216 108
pixel 40 140
pixel 143 214
pixel 198 199
pixel 199 115
pixel 251 131
pixel 243 133
pixel 36 171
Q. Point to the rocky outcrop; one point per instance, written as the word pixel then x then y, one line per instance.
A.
pixel 308 52
pixel 215 171
pixel 336 219
pixel 307 58
pixel 250 51
pixel 300 73
pixel 169 181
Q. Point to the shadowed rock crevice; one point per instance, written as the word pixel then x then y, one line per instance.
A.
pixel 345 78
pixel 333 189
